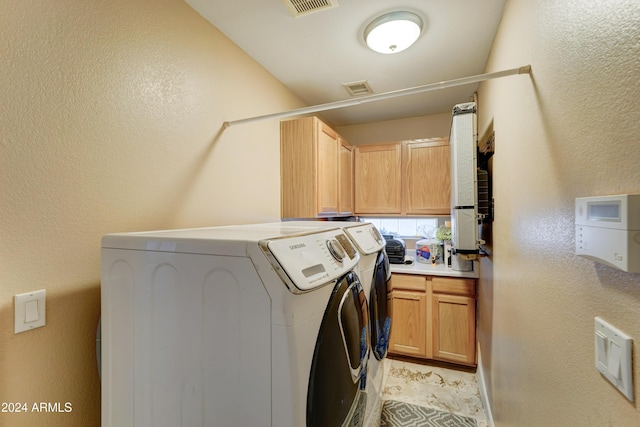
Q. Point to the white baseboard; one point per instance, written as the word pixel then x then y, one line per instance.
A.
pixel 483 390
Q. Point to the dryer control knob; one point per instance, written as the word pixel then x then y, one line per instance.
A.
pixel 336 250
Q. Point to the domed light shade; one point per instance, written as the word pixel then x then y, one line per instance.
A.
pixel 393 32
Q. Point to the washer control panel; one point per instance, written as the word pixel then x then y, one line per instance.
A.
pixel 311 260
pixel 367 238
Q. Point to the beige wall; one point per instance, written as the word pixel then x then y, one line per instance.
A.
pixel 570 130
pixel 110 122
pixel 431 126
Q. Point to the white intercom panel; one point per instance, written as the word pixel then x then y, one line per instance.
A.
pixel 608 230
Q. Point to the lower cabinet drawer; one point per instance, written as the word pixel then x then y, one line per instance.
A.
pixel 408 282
pixel 454 286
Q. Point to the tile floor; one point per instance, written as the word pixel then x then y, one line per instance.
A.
pixel 437 387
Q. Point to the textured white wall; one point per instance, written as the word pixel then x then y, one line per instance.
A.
pixel 570 130
pixel 111 122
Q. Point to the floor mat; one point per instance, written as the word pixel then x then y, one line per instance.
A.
pixel 400 414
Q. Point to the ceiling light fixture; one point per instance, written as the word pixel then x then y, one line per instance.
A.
pixel 393 32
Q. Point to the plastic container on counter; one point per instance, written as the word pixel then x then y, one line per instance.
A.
pixel 427 250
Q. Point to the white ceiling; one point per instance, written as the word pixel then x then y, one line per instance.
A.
pixel 315 54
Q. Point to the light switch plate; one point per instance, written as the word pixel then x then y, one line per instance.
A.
pixel 613 356
pixel 30 311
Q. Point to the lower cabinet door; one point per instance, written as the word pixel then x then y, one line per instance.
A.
pixel 408 327
pixel 454 333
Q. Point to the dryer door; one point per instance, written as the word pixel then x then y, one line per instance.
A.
pixel 338 369
pixel 380 320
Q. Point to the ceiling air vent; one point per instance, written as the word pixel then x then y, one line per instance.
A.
pixel 358 88
pixel 304 7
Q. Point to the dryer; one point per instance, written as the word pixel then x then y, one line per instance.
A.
pixel 233 326
pixel 375 274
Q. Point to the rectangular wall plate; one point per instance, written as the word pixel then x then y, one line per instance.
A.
pixel 29 311
pixel 613 356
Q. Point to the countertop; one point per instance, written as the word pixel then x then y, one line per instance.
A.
pixel 430 270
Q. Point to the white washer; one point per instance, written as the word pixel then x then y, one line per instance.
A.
pixel 374 272
pixel 232 326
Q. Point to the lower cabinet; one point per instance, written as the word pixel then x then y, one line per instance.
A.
pixel 433 317
pixel 409 311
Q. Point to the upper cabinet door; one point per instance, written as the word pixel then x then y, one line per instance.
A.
pixel 328 158
pixel 298 168
pixel 378 179
pixel 309 166
pixel 427 177
pixel 345 179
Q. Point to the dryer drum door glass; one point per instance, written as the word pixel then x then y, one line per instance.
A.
pixel 338 368
pixel 380 320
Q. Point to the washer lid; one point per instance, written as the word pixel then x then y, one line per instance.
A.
pixel 366 237
pixel 312 260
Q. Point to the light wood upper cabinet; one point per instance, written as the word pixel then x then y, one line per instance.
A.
pixel 427 180
pixel 309 166
pixel 378 179
pixel 328 160
pixel 403 178
pixel 345 179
